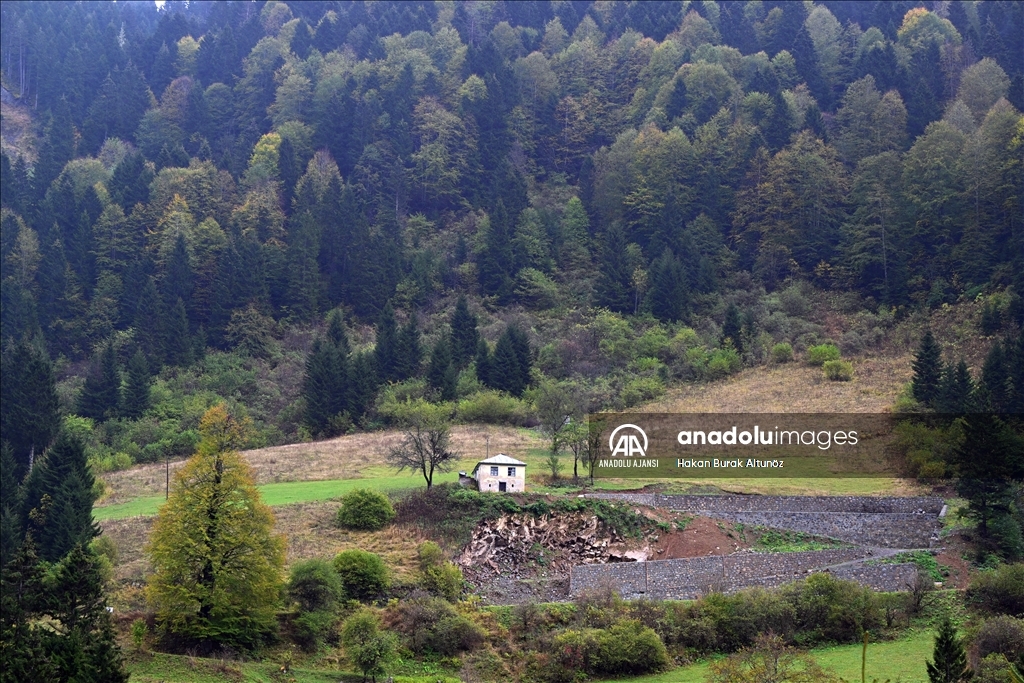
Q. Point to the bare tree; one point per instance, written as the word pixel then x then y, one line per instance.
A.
pixel 426 446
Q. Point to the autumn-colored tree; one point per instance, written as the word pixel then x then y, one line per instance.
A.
pixel 217 563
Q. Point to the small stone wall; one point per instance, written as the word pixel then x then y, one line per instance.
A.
pixel 756 503
pixel 690 578
pixel 904 523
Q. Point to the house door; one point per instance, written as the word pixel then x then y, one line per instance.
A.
pixel 501 486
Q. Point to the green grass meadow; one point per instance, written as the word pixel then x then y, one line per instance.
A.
pixel 900 660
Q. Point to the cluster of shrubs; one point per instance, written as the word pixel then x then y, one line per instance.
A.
pixel 827 356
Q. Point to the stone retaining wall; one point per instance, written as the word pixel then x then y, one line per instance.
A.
pixel 758 503
pixel 905 523
pixel 687 579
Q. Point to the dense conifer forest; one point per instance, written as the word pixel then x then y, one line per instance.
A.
pixel 324 214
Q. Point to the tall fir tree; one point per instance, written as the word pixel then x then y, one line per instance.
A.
pixel 441 373
pixel 87 650
pixel 135 400
pixel 495 261
pixel 363 382
pixel 483 361
pixel 732 328
pixel 956 394
pixel 927 370
pixel 667 296
pixel 10 505
pixel 100 397
pixel 995 379
pixel 58 499
pixel 320 387
pixel 410 350
pixel 149 322
pixel 177 347
pixel 29 406
pixel 510 365
pixel 949 660
pixel 614 283
pixel 464 335
pixel 386 348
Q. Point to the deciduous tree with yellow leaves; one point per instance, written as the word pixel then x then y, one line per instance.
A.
pixel 217 563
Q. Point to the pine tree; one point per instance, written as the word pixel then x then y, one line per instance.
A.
pixel 989 462
pixel 667 296
pixel 149 322
pixel 100 396
pixel 510 366
pixel 58 499
pixel 386 349
pixel 363 383
pixel 87 649
pixel 10 527
pixel 484 362
pixel 927 370
pixel 217 565
pixel 410 351
pixel 1015 371
pixel 135 400
pixel 178 279
pixel 29 407
pixel 732 328
pixel 322 388
pixel 24 656
pixel 956 394
pixel 177 340
pixel 336 332
pixel 614 287
pixel 496 259
pixel 464 335
pixel 441 373
pixel 995 379
pixel 950 657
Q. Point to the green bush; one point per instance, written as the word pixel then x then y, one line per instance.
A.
pixel 831 610
pixel 314 629
pixel 722 363
pixel 838 370
pixel 629 648
pixel 432 625
pixel 493 407
pixel 445 580
pixel 1000 591
pixel 315 585
pixel 365 510
pixel 782 353
pixel 641 389
pixel 822 353
pixel 364 575
pixel 1001 635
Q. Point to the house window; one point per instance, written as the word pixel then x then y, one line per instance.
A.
pixel 511 471
pixel 494 471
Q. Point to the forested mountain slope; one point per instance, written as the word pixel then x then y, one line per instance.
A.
pixel 648 188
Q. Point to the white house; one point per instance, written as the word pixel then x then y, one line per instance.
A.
pixel 499 473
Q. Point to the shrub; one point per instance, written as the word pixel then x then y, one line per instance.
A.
pixel 1002 635
pixel 364 575
pixel 831 610
pixel 723 362
pixel 782 353
pixel 366 510
pixel 641 389
pixel 838 370
pixel 1000 591
pixel 371 649
pixel 437 574
pixel 822 353
pixel 493 407
pixel 629 648
pixel 314 629
pixel 432 625
pixel 992 669
pixel 315 585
